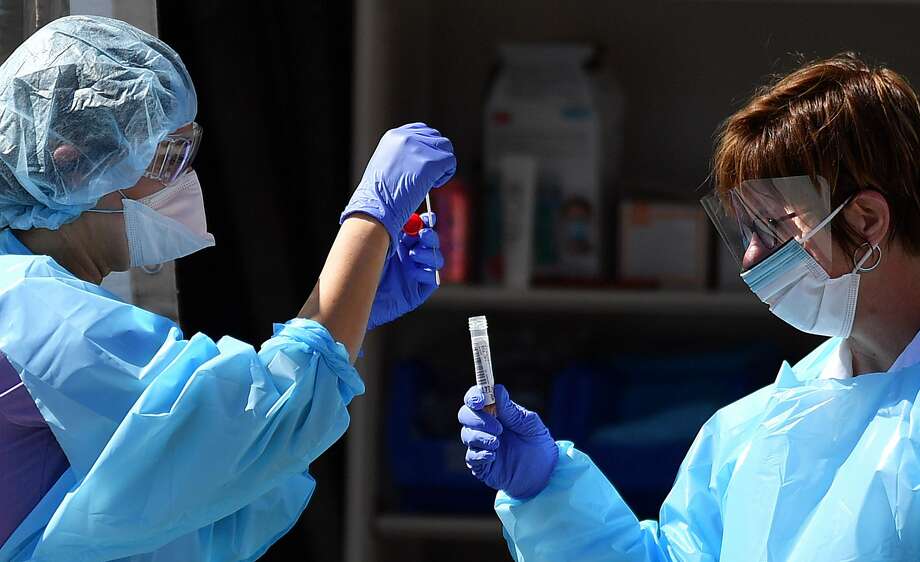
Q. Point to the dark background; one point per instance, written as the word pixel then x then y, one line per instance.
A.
pixel 274 101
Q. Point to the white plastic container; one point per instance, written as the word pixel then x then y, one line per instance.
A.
pixel 542 105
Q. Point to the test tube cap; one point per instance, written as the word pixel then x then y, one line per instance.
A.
pixel 478 323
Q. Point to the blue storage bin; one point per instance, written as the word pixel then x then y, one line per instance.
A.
pixel 637 416
pixel 426 459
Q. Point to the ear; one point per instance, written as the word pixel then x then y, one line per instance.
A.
pixel 65 158
pixel 869 216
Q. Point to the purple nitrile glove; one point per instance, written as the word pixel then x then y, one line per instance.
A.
pixel 409 161
pixel 408 275
pixel 512 451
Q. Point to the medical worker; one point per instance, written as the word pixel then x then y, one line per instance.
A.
pixel 817 194
pixel 120 438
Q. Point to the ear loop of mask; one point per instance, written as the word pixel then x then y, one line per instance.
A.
pixel 151 269
pixel 112 211
pixel 824 223
pixel 858 265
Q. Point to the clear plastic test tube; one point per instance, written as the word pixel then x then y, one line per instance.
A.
pixel 482 360
pixel 437 274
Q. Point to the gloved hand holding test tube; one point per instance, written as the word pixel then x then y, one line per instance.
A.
pixel 482 360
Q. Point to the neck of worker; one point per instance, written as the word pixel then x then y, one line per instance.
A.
pixel 72 247
pixel 887 313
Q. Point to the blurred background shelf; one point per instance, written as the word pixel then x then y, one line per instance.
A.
pixel 614 369
pixel 598 300
pixel 439 526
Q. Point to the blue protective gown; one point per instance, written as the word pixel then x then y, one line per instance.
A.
pixel 179 449
pixel 803 470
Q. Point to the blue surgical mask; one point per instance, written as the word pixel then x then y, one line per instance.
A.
pixel 800 292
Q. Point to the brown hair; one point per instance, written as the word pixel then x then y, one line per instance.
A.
pixel 855 125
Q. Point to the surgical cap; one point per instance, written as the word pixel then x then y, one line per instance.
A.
pixel 83 104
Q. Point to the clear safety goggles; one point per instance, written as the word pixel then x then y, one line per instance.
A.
pixel 757 217
pixel 175 154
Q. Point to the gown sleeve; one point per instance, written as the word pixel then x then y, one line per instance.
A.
pixel 581 516
pixel 170 439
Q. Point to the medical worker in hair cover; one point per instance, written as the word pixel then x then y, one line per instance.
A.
pixel 120 437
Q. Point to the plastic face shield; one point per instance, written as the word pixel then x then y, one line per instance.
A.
pixel 759 216
pixel 175 154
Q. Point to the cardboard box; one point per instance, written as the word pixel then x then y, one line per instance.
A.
pixel 663 245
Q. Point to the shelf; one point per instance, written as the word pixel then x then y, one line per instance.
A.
pixel 439 526
pixel 601 301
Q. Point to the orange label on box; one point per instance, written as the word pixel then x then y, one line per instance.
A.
pixel 640 214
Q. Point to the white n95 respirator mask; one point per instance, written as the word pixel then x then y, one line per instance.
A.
pixel 167 225
pixel 800 292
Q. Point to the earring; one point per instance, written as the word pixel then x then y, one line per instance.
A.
pixel 860 268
